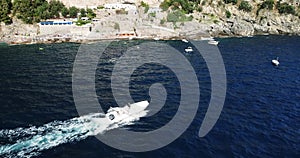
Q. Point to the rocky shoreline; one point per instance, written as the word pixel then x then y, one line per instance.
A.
pixel 211 22
pixel 237 27
pixel 53 39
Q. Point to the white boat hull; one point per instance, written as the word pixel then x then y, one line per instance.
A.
pixel 275 62
pixel 128 113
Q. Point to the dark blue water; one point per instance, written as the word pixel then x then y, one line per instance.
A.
pixel 260 117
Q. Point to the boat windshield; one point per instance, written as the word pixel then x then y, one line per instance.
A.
pixel 111 117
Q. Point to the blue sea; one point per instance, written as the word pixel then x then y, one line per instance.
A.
pixel 260 116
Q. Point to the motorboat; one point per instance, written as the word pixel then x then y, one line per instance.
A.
pixel 128 113
pixel 188 49
pixel 185 40
pixel 213 42
pixel 275 61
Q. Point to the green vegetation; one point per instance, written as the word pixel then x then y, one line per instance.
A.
pixel 73 11
pixel 152 15
pixel 146 6
pixel 117 26
pixel 5 10
pixel 90 13
pixel 82 22
pixel 32 11
pixel 285 8
pixel 268 4
pixel 230 1
pixel 55 7
pixel 228 14
pixel 199 9
pixel 82 12
pixel 65 12
pixel 165 5
pixel 178 16
pixel 162 21
pixel 100 7
pixel 185 5
pixel 245 6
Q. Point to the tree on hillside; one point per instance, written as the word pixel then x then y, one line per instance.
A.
pixel 42 12
pixel 55 7
pixel 268 4
pixel 65 12
pixel 231 1
pixel 5 10
pixel 245 6
pixel 82 12
pixel 90 13
pixel 24 10
pixel 73 11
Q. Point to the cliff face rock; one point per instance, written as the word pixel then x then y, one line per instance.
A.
pixel 242 28
pixel 263 21
pixel 213 19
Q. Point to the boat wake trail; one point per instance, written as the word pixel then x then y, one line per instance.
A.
pixel 28 142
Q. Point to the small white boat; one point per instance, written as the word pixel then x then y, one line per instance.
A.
pixel 213 42
pixel 185 40
pixel 188 49
pixel 41 48
pixel 275 61
pixel 156 38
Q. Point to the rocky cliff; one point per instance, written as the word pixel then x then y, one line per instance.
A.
pixel 248 23
pixel 224 17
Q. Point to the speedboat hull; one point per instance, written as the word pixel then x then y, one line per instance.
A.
pixel 128 113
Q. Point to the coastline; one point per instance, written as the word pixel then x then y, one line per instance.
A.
pixel 149 20
pixel 60 39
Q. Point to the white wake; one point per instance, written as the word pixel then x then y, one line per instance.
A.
pixel 28 142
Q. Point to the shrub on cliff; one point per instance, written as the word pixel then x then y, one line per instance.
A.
pixel 5 10
pixel 285 8
pixel 90 13
pixel 245 6
pixel 178 16
pixel 268 4
pixel 146 6
pixel 228 14
pixel 165 5
pixel 230 1
pixel 185 5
